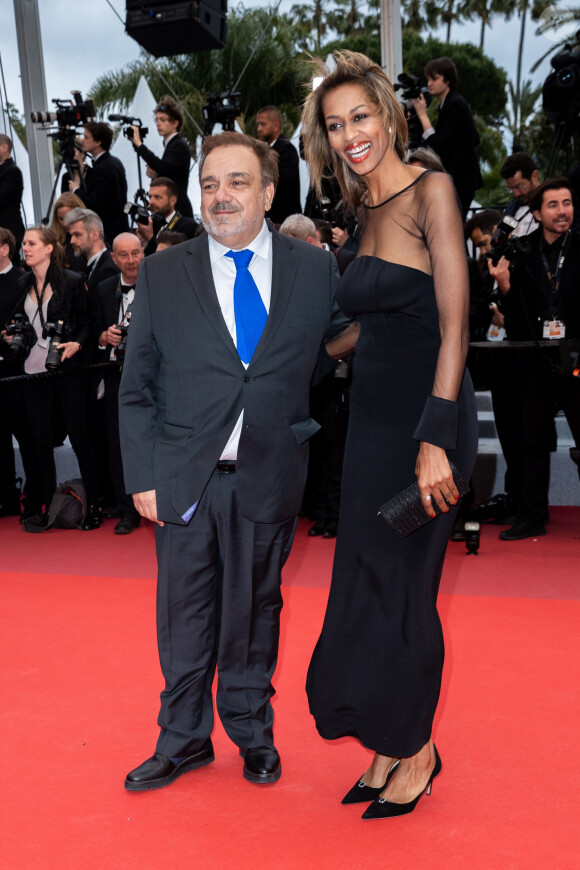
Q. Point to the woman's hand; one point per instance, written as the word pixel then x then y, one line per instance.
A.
pixel 7 338
pixel 435 479
pixel 69 348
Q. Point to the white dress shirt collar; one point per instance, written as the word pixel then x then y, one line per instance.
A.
pixel 260 246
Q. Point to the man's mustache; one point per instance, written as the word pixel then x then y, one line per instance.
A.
pixel 223 206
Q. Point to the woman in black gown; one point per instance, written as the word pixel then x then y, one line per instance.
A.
pixel 376 671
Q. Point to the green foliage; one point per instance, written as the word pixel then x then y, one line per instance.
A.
pixel 17 122
pixel 364 42
pixel 273 74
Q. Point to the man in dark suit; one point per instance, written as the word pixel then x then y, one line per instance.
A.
pixel 214 432
pixel 540 300
pixel 11 187
pixel 176 159
pixel 12 420
pixel 454 137
pixel 287 197
pixel 105 189
pixel 87 237
pixel 114 297
pixel 163 202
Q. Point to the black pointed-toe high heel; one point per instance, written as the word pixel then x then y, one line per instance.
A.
pixel 361 792
pixel 381 808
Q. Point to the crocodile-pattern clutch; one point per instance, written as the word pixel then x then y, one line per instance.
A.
pixel 405 512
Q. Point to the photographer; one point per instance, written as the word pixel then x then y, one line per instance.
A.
pixel 176 159
pixel 115 296
pixel 540 300
pixel 105 190
pixel 455 137
pixel 63 205
pixel 520 174
pixel 287 197
pixel 162 204
pixel 56 304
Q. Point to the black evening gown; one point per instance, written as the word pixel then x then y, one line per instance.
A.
pixel 376 671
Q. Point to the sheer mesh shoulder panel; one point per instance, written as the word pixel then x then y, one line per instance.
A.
pixel 421 227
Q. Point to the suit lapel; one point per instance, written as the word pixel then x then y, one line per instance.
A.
pixel 198 270
pixel 284 267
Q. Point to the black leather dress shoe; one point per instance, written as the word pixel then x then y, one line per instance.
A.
pixel 93 518
pixel 317 529
pixel 521 530
pixel 126 525
pixel 159 770
pixel 261 764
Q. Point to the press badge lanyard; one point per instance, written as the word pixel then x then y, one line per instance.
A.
pixel 555 278
pixel 40 300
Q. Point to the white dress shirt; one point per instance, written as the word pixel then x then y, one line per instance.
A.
pixel 224 275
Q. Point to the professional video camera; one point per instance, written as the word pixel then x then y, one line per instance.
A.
pixel 223 110
pixel 68 116
pixel 412 90
pixel 561 90
pixel 24 337
pixel 140 215
pixel 130 122
pixel 504 245
pixel 58 335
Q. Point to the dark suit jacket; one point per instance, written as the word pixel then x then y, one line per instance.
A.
pixel 287 197
pixel 104 268
pixel 175 165
pixel 9 296
pixel 185 225
pixel 455 140
pixel 106 193
pixel 529 301
pixel 11 187
pixel 184 386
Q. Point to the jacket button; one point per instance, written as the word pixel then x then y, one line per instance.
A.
pixel 247 380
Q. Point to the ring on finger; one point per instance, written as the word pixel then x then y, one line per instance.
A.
pixel 428 497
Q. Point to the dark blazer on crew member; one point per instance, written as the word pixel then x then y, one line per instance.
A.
pixel 455 140
pixel 70 303
pixel 104 268
pixel 186 225
pixel 184 386
pixel 106 194
pixel 174 164
pixel 287 197
pixel 11 187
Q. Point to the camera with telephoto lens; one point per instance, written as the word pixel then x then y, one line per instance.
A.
pixel 68 116
pixel 412 90
pixel 130 122
pixel 23 337
pixel 140 215
pixel 504 245
pixel 58 335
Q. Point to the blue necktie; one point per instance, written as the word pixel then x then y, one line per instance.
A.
pixel 249 310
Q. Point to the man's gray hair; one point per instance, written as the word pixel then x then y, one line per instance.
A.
pixel 89 219
pixel 299 227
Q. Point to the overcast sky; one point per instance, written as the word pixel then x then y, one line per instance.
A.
pixel 85 39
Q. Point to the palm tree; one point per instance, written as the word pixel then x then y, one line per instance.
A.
pixel 310 21
pixel 521 108
pixel 485 10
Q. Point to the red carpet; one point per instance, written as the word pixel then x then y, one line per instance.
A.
pixel 80 678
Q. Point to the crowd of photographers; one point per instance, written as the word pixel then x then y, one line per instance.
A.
pixel 70 309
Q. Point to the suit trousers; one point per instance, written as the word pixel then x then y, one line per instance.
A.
pixel 218 604
pixel 71 392
pixel 542 392
pixel 123 501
